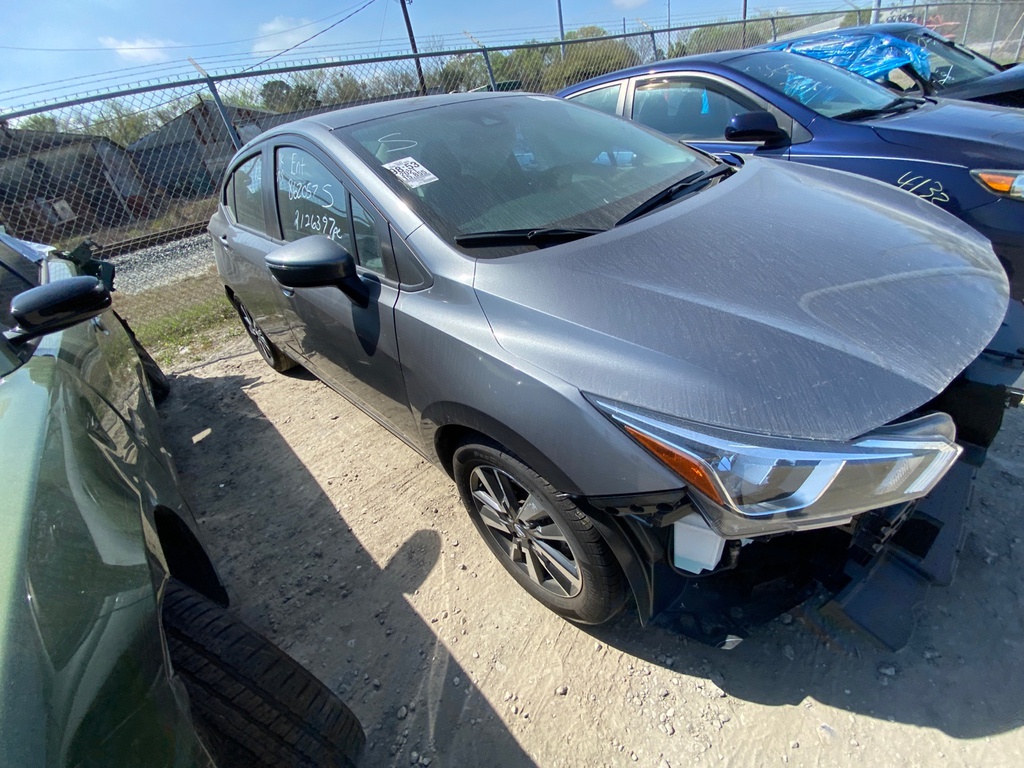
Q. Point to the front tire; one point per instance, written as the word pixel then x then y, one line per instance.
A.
pixel 252 704
pixel 539 535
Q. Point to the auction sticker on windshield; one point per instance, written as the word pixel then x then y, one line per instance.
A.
pixel 410 172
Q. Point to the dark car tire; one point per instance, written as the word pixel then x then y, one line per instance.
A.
pixel 269 351
pixel 252 704
pixel 550 526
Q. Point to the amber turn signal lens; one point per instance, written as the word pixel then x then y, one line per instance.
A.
pixel 686 466
pixel 997 182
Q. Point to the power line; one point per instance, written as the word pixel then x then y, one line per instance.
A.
pixel 195 91
pixel 367 4
pixel 175 47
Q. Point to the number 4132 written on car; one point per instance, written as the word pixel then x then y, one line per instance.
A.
pixel 925 188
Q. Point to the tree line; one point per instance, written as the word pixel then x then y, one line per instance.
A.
pixel 538 66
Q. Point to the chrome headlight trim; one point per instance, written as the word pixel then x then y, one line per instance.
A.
pixel 750 485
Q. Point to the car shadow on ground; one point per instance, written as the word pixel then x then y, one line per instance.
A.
pixel 304 580
pixel 960 672
pixel 279 516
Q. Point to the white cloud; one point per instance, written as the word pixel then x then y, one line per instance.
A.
pixel 627 4
pixel 283 34
pixel 139 51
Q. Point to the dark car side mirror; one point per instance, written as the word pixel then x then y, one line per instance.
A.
pixel 755 126
pixel 314 262
pixel 55 306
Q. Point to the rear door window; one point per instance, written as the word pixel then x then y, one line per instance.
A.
pixel 244 194
pixel 604 99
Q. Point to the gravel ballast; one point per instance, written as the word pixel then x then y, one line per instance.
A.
pixel 162 264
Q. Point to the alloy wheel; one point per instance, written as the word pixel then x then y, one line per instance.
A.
pixel 525 531
pixel 256 334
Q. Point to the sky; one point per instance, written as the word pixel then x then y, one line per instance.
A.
pixel 54 49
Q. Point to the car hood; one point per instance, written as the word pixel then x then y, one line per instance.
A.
pixel 1008 81
pixel 783 300
pixel 983 132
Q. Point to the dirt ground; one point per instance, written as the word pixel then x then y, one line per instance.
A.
pixel 352 553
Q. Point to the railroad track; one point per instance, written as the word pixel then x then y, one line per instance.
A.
pixel 145 241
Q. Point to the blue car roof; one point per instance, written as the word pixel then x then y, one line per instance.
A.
pixel 666 65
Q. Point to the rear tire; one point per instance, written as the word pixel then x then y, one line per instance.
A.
pixel 539 535
pixel 252 704
pixel 269 351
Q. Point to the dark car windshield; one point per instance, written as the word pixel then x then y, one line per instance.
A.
pixel 828 90
pixel 950 64
pixel 519 163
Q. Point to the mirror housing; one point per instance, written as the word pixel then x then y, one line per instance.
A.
pixel 756 126
pixel 315 262
pixel 55 306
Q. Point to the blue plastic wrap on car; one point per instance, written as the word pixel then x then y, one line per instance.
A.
pixel 869 55
pixel 804 89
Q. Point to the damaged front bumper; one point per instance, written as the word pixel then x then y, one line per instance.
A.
pixel 876 568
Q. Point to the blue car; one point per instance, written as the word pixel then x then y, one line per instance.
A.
pixel 965 158
pixel 909 57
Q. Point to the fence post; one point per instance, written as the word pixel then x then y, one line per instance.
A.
pixel 654 45
pixel 967 23
pixel 775 32
pixel 1020 44
pixel 490 71
pixel 995 31
pixel 235 139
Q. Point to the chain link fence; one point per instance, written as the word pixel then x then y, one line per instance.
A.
pixel 136 171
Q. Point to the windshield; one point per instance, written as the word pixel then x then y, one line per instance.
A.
pixel 519 162
pixel 950 64
pixel 828 90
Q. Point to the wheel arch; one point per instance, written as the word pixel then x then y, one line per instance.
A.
pixel 186 558
pixel 453 424
pixel 446 425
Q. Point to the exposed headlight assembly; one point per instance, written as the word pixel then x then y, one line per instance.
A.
pixel 750 485
pixel 1004 183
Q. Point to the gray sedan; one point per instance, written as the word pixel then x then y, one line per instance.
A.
pixel 649 372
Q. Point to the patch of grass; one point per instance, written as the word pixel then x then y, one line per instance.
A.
pixel 180 321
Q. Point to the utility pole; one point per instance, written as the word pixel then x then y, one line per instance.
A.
pixel 561 28
pixel 412 42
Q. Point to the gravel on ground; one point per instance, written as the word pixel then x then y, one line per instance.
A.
pixel 162 264
pixel 351 552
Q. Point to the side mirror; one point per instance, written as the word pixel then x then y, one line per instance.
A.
pixel 755 126
pixel 56 306
pixel 314 262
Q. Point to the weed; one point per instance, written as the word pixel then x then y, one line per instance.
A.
pixel 180 320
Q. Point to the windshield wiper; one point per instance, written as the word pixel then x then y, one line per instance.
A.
pixel 539 237
pixel 672 191
pixel 900 104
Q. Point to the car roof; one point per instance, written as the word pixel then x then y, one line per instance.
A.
pixel 895 28
pixel 346 116
pixel 665 65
